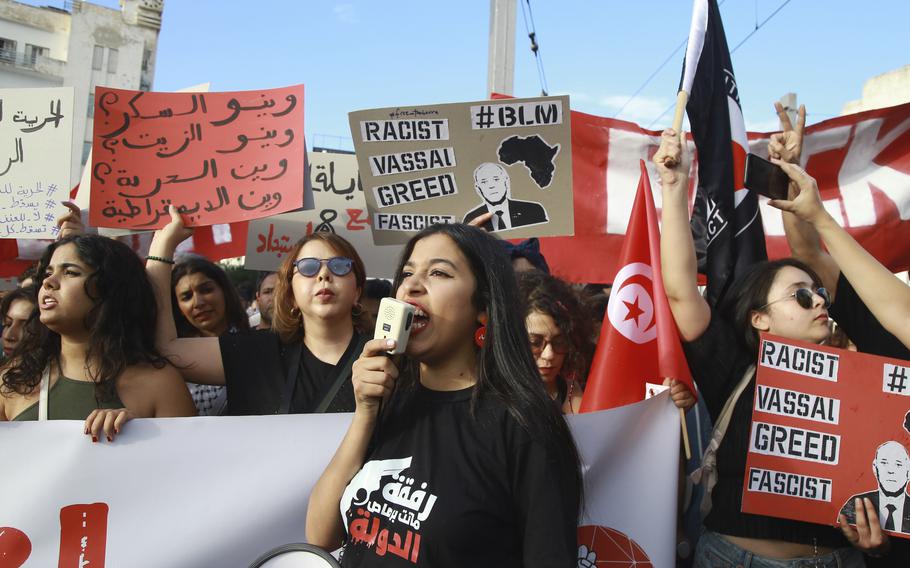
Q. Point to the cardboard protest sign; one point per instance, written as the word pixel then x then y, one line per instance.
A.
pixel 36 141
pixel 828 425
pixel 219 157
pixel 453 162
pixel 85 181
pixel 339 208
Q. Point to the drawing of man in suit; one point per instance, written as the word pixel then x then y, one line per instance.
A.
pixel 492 183
pixel 892 470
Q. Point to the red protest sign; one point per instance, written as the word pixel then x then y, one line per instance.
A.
pixel 828 426
pixel 219 157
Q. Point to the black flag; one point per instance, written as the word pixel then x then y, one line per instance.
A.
pixel 726 224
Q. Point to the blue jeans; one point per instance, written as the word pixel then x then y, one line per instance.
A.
pixel 714 551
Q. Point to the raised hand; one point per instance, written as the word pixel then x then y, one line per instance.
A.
pixel 788 144
pixel 70 223
pixel 672 161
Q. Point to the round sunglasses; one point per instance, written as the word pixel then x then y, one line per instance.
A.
pixel 805 297
pixel 338 265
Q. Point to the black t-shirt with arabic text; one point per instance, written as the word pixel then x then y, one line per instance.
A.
pixel 442 487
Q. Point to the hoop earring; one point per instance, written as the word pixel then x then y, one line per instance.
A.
pixel 357 310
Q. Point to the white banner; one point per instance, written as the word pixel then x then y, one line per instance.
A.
pixel 193 492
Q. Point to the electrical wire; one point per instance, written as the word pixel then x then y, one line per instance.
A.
pixel 535 47
pixel 758 26
pixel 656 71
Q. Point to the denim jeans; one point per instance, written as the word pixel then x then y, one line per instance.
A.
pixel 714 551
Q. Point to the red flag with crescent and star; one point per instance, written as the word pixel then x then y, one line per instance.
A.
pixel 639 342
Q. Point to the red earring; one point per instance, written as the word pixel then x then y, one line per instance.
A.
pixel 480 336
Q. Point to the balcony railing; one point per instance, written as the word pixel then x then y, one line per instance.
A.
pixel 32 61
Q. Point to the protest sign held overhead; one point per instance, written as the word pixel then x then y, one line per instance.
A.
pixel 828 426
pixel 453 162
pixel 36 132
pixel 339 208
pixel 219 157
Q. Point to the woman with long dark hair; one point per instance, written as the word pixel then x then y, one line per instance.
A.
pixel 465 461
pixel 559 331
pixel 783 297
pixel 205 304
pixel 16 309
pixel 303 364
pixel 94 346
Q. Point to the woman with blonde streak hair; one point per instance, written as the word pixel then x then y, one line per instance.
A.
pixel 303 364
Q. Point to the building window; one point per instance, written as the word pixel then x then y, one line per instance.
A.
pixel 146 58
pixel 97 58
pixel 91 105
pixel 111 60
pixel 33 52
pixel 7 49
pixel 86 151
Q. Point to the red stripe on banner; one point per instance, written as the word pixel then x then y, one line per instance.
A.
pixel 876 196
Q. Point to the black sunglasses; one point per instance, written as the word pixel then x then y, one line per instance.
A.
pixel 338 265
pixel 805 297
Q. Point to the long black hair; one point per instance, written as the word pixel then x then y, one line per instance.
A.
pixel 505 367
pixel 27 293
pixel 121 321
pixel 750 292
pixel 234 315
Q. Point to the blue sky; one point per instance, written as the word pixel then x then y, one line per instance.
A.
pixel 354 55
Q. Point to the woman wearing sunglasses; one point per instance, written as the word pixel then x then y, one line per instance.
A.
pixel 465 461
pixel 303 364
pixel 782 297
pixel 559 332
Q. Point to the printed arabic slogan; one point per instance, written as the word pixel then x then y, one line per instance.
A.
pixel 219 157
pixel 453 162
pixel 828 426
pixel 36 132
pixel 339 208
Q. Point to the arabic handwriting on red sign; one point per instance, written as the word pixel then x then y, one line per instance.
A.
pixel 156 149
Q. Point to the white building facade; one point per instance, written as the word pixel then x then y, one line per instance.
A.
pixel 82 46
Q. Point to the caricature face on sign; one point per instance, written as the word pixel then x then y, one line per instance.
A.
pixel 492 183
pixel 892 468
pixel 631 309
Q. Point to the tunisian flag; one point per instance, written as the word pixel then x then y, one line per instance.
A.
pixel 638 342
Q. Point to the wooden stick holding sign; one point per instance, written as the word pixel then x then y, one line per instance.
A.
pixel 682 99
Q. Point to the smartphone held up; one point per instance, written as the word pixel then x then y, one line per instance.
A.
pixel 765 178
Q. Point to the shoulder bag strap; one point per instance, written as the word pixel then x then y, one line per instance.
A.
pixel 342 374
pixel 707 473
pixel 42 396
pixel 292 356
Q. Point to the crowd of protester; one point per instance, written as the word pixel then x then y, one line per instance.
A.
pixel 499 351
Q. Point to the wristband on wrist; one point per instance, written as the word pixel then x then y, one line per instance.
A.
pixel 160 259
